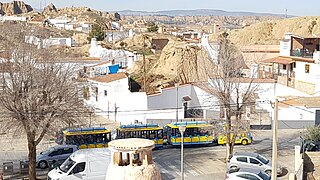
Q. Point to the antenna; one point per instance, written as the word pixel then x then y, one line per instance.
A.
pixel 40 6
pixel 286 12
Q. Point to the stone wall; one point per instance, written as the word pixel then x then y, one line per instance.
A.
pixel 305 87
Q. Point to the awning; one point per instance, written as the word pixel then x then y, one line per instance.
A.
pixel 279 60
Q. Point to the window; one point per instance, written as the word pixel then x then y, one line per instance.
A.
pixel 248 176
pixel 67 151
pixel 152 134
pixel 242 159
pixel 56 152
pixel 284 67
pixel 307 68
pixel 79 168
pixel 105 92
pixel 254 161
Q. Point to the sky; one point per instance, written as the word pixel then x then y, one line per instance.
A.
pixel 294 7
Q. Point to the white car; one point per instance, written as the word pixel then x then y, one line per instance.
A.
pixel 247 173
pixel 253 161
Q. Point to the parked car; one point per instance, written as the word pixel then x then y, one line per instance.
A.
pixel 251 160
pixel 247 173
pixel 309 146
pixel 89 164
pixel 56 154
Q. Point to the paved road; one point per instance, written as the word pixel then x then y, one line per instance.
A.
pixel 206 163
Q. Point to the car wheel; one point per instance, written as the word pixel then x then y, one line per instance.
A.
pixel 234 167
pixel 268 172
pixel 43 164
pixel 244 142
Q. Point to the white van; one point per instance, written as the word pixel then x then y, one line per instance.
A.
pixel 85 164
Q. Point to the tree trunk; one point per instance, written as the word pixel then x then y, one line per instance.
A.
pixel 228 131
pixel 32 158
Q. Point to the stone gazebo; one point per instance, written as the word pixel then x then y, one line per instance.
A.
pixel 132 160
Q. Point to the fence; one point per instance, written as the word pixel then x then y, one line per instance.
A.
pixel 298 164
pixel 20 170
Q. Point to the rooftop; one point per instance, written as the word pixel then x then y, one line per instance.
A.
pixel 109 78
pixel 131 144
pixel 308 102
pixel 287 60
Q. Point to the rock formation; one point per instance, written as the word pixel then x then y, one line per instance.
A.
pixel 49 9
pixel 14 7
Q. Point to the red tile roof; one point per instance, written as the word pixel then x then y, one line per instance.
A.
pixel 287 60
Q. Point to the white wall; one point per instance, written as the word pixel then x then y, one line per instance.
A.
pixel 12 18
pixel 312 77
pixel 285 48
pixel 129 104
pixel 296 114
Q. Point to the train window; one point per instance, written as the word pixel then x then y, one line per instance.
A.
pixel 160 134
pixel 152 134
pixel 148 134
pixel 99 138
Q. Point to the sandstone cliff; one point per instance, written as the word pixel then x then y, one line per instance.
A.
pixel 14 7
pixel 271 32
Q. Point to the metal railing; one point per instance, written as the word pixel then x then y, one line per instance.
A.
pixel 302 53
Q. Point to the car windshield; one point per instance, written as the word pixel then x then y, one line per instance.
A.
pixel 66 165
pixel 48 151
pixel 264 176
pixel 263 159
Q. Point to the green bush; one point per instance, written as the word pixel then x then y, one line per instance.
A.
pixel 96 32
pixel 312 133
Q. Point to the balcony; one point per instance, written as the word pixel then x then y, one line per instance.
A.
pixel 302 53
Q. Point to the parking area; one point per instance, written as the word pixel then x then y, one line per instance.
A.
pixel 201 163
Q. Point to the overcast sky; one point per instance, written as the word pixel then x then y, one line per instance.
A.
pixel 294 7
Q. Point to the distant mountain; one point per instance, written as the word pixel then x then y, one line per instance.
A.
pixel 196 12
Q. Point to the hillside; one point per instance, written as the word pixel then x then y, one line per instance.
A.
pixel 195 12
pixel 271 32
pixel 14 7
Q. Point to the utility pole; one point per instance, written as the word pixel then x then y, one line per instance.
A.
pixel 144 63
pixel 177 103
pixel 115 112
pixel 182 129
pixel 275 141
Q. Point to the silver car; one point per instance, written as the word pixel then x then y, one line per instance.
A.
pixel 56 154
pixel 251 160
pixel 247 173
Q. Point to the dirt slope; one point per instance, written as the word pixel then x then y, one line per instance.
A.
pixel 271 32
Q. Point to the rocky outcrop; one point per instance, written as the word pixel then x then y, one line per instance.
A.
pixel 49 9
pixel 14 7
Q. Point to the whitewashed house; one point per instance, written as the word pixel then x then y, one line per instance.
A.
pixel 297 68
pixel 111 96
pixel 177 103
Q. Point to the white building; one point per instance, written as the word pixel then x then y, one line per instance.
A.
pixel 110 95
pixel 13 18
pixel 298 69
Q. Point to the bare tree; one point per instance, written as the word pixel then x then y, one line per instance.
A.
pixel 232 90
pixel 37 92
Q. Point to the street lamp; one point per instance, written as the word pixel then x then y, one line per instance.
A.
pixel 182 129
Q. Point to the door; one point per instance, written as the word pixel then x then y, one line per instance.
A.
pixel 255 164
pixel 55 155
pixel 79 172
pixel 317 122
pixel 242 162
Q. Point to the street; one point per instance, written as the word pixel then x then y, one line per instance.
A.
pixel 207 162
